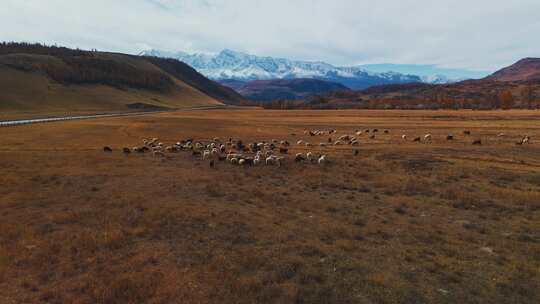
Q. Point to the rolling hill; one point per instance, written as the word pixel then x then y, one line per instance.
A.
pixel 291 89
pixel 523 70
pixel 38 80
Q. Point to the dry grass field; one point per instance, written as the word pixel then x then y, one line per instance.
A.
pixel 402 222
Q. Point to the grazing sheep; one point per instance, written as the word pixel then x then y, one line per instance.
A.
pixel 322 160
pixel 427 138
pixel 417 139
pixel 477 142
pixel 404 137
pixel 107 149
pixel 500 135
pixel 309 156
pixel 338 143
pixel 299 142
pixel 241 162
pixel 234 161
pixel 299 158
pixel 355 143
pixel 524 140
pixel 449 137
pixel 344 138
pixel 358 133
pixel 126 151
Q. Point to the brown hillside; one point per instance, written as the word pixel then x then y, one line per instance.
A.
pixel 523 70
pixel 37 80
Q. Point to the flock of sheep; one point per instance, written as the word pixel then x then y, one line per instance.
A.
pixel 272 153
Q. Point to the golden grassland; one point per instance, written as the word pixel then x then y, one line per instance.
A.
pixel 402 222
pixel 26 95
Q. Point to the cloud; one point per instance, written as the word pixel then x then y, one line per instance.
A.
pixel 475 34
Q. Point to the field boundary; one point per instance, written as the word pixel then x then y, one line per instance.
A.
pixel 19 122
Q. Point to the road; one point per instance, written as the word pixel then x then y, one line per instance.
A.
pixel 12 123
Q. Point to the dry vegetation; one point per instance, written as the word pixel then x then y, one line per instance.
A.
pixel 402 222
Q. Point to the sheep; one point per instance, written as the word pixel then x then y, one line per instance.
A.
pixel 196 153
pixel 256 161
pixel 283 150
pixel 338 143
pixel 427 138
pixel 467 132
pixel 344 138
pixel 355 143
pixel 299 142
pixel 309 144
pixel 322 160
pixel 299 158
pixel 477 142
pixel 386 131
pixel 274 160
pixel 417 139
pixel 449 137
pixel 524 140
pixel 126 151
pixel 358 133
pixel 222 148
pixel 500 135
pixel 138 150
pixel 171 149
pixel 234 161
pixel 375 130
pixel 404 137
pixel 309 156
pixel 241 162
pixel 107 149
pixel 322 145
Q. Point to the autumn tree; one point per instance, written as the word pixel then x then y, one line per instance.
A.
pixel 507 100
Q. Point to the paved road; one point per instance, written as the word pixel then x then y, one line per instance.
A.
pixel 12 123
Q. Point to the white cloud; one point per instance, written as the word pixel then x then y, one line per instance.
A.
pixel 477 34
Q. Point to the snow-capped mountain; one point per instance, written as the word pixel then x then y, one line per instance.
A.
pixel 229 64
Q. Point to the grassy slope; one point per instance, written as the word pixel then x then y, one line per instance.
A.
pixel 29 92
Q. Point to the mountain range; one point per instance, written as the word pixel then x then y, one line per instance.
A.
pixel 234 65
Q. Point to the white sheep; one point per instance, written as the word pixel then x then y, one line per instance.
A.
pixel 427 138
pixel 206 154
pixel 322 160
pixel 404 137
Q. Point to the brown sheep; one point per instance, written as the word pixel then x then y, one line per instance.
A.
pixel 107 149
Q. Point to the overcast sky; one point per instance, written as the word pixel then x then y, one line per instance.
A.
pixel 471 34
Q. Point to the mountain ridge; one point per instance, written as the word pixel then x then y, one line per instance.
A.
pixel 229 64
